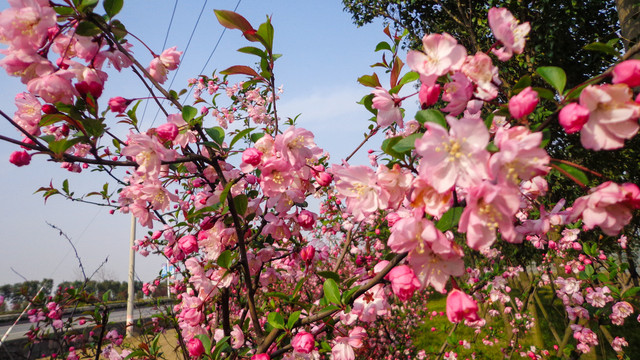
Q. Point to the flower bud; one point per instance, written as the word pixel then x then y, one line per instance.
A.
pixel 252 156
pixel 307 253
pixel 167 131
pixel 461 306
pixel 306 219
pixel 573 117
pixel 20 158
pixel 523 104
pixel 195 347
pixel 627 72
pixel 303 342
pixel 49 109
pixel 118 104
pixel 429 95
pixel 260 357
pixel 188 244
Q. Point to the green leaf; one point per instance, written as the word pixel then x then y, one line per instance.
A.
pixel 64 10
pixel 254 51
pixel 603 48
pixel 276 320
pixel 576 173
pixel 431 115
pixel 409 77
pixel 112 7
pixel 407 143
pixel 87 5
pixel 106 296
pixel 543 93
pixel 524 82
pixel 256 136
pixel 241 202
pixel 388 144
pixel 278 295
pixel 449 219
pixel 189 112
pixel 86 28
pixel 383 45
pixel 239 136
pixel 216 134
pixel 367 101
pixel 631 292
pixel 265 33
pixel 331 291
pixel 220 347
pixel 554 76
pixel 369 80
pixel 588 270
pixel 346 297
pixel 225 192
pixel 292 319
pixel 329 275
pixel 60 146
pixel 65 186
pixel 224 260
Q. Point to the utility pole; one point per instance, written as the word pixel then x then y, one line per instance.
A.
pixel 131 288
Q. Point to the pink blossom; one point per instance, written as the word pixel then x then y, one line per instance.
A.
pixel 458 157
pixel 371 304
pixel 489 207
pixel 28 114
pixel 435 260
pixel 424 196
pixel 606 206
pixel 524 103
pixel 303 342
pixel 480 69
pixel 442 54
pixel 573 117
pixel 195 347
pixel 395 182
pixel 306 219
pixel 343 347
pixel 618 343
pixel 403 282
pixel 506 29
pixel 25 65
pixel 627 72
pixel 148 153
pixel 252 156
pixel 388 106
pixel 168 60
pixel 520 156
pixel 357 184
pixel 55 87
pixel 25 26
pixel 307 253
pixel 237 337
pixel 188 244
pixel 262 356
pixel 461 306
pixel 118 104
pixel 20 158
pixel 167 131
pixel 428 95
pixel 457 93
pixel 613 116
pixel 297 146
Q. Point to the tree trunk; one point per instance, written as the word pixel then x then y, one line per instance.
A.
pixel 629 15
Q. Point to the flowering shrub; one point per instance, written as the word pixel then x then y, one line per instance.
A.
pixel 453 191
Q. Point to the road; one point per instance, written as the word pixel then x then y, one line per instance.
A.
pixel 116 315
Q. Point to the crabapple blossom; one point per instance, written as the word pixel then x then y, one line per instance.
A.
pixel 195 347
pixel 461 306
pixel 303 342
pixel 403 282
pixel 457 157
pixel 606 206
pixel 524 103
pixel 613 116
pixel 441 54
pixel 167 131
pixel 388 106
pixel 429 95
pixel 506 29
pixel 160 65
pixel 20 158
pixel 573 117
pixel 627 72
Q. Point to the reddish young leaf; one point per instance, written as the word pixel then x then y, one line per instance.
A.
pixel 232 20
pixel 370 80
pixel 240 69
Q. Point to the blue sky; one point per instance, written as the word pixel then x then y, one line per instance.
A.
pixel 323 54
